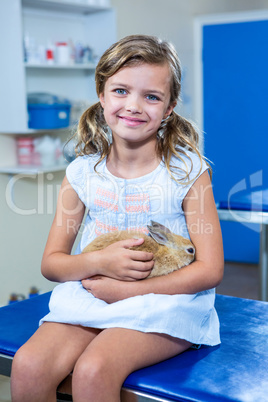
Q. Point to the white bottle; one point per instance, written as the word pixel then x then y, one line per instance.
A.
pixel 47 149
pixel 62 53
pixel 29 49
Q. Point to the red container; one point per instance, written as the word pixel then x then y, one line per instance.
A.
pixel 25 150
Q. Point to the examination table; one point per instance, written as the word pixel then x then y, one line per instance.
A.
pixel 236 370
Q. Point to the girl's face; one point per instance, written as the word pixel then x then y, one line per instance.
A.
pixel 135 100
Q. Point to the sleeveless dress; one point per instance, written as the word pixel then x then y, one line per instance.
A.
pixel 118 204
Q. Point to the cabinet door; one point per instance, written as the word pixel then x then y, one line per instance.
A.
pixel 12 78
pixel 235 88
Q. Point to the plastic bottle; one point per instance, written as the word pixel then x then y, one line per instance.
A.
pixel 59 159
pixel 87 55
pixel 14 297
pixel 30 49
pixel 72 51
pixel 24 150
pixel 62 53
pixel 33 292
pixel 47 148
pixel 50 58
pixel 79 53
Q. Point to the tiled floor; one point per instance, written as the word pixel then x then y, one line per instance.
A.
pixel 239 280
pixel 4 389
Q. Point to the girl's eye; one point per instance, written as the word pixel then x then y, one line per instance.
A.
pixel 152 97
pixel 120 91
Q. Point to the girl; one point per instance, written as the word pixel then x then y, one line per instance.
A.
pixel 138 160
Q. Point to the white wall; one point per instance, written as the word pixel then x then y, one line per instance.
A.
pixel 27 211
pixel 173 20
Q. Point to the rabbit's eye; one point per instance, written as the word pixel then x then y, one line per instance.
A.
pixel 190 250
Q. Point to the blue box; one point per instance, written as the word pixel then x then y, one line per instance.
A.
pixel 45 116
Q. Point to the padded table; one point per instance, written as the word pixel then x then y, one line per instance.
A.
pixel 251 207
pixel 236 370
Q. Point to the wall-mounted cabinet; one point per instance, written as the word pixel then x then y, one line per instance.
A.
pixel 91 23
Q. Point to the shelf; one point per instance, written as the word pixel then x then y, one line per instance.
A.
pixel 65 6
pixel 31 169
pixel 31 131
pixel 88 66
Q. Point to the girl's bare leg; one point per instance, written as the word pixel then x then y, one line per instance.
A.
pixel 101 370
pixel 46 359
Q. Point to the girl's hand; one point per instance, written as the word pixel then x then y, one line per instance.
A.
pixel 119 262
pixel 108 289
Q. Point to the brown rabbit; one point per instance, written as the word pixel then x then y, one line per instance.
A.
pixel 171 251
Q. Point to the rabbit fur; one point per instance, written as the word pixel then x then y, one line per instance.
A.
pixel 171 251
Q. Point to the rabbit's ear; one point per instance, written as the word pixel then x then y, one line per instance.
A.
pixel 157 226
pixel 159 237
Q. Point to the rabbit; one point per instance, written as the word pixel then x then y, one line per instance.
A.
pixel 171 251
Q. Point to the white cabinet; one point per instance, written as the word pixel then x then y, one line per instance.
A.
pixel 89 21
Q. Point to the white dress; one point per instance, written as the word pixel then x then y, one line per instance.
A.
pixel 117 204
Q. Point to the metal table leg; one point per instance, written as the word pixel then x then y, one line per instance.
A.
pixel 263 265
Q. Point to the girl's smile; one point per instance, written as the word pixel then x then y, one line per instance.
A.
pixel 135 100
pixel 131 121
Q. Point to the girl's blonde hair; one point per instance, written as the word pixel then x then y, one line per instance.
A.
pixel 176 132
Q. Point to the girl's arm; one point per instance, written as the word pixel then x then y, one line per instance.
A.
pixel 117 261
pixel 205 272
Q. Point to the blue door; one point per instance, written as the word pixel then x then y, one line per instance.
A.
pixel 235 82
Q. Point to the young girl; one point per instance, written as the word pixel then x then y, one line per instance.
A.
pixel 138 161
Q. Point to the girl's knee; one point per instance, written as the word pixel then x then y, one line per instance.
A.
pixel 28 368
pixel 24 374
pixel 30 378
pixel 92 374
pixel 23 364
pixel 89 369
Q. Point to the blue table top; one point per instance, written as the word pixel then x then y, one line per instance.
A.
pixel 247 201
pixel 234 371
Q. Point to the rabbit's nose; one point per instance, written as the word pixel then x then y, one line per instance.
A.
pixel 190 250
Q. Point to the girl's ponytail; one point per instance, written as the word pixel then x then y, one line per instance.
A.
pixel 92 133
pixel 177 135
